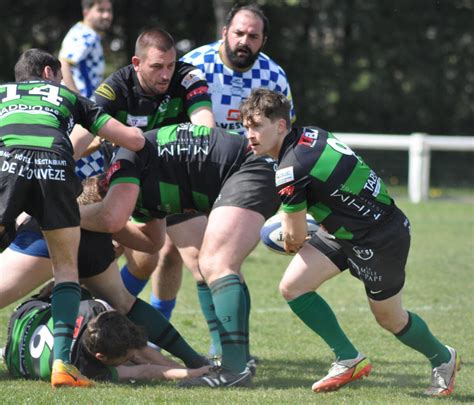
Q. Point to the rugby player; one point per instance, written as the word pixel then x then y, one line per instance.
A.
pixel 153 91
pixel 189 168
pixel 106 345
pixel 233 66
pixel 366 233
pixel 37 115
pixel 25 265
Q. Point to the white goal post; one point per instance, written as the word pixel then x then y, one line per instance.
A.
pixel 419 147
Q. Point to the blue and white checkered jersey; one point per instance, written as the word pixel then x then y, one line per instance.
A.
pixel 82 48
pixel 228 88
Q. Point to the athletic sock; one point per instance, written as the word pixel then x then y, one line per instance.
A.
pixel 227 296
pixel 133 284
pixel 161 333
pixel 418 336
pixel 319 317
pixel 207 308
pixel 164 306
pixel 65 301
pixel 248 304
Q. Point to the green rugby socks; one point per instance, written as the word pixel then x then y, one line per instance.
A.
pixel 162 333
pixel 228 300
pixel 418 336
pixel 65 300
pixel 318 316
pixel 246 314
pixel 207 308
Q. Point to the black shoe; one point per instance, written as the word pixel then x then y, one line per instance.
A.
pixel 219 377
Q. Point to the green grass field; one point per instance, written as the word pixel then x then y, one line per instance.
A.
pixel 439 287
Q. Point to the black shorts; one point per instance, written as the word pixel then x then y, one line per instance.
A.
pixel 252 187
pixel 96 251
pixel 175 219
pixel 41 183
pixel 378 260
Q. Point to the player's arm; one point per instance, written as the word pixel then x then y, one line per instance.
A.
pixel 112 213
pixel 148 237
pixel 203 116
pixel 295 230
pixel 156 372
pixel 119 134
pixel 67 75
pixel 81 140
pixel 147 355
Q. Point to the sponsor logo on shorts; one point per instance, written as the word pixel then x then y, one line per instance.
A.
pixel 362 253
pixel 106 91
pixel 20 166
pixel 283 176
pixel 192 77
pixel 375 292
pixel 365 273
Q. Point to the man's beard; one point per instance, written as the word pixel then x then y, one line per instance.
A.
pixel 241 62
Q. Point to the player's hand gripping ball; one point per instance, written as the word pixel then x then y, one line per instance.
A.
pixel 271 233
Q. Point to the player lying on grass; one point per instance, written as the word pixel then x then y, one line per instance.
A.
pixel 368 234
pixel 106 345
pixel 25 265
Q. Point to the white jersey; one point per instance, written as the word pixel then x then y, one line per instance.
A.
pixel 82 48
pixel 228 88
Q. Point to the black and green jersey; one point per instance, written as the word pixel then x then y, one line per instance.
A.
pixel 29 348
pixel 181 168
pixel 122 97
pixel 41 115
pixel 318 172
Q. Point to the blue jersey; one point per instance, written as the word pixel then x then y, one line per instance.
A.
pixel 228 88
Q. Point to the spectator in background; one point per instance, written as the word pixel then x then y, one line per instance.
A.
pixel 83 65
pixel 81 54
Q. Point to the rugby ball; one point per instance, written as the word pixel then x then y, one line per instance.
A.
pixel 272 236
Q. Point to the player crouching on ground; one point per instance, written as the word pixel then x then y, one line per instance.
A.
pixel 368 234
pixel 106 345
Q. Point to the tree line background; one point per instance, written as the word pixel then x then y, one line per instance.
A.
pixel 354 65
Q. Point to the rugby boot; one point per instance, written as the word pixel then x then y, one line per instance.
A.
pixel 343 372
pixel 443 376
pixel 67 375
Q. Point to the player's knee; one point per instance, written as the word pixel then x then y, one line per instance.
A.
pixel 390 321
pixel 215 266
pixel 288 291
pixel 207 264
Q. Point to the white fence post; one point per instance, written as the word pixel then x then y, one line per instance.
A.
pixel 419 168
